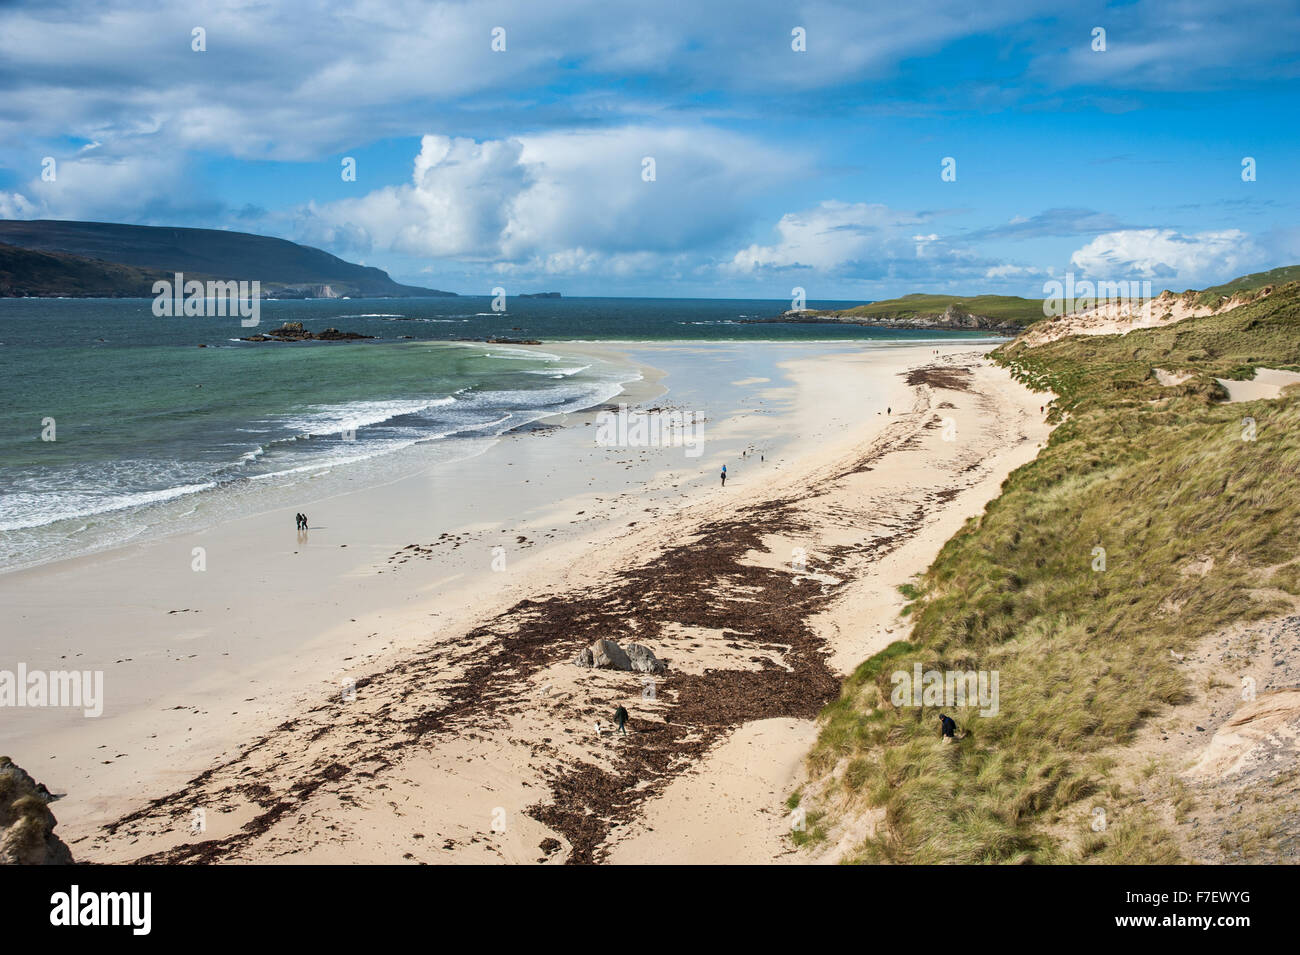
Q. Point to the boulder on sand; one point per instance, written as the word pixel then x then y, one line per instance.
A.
pixel 608 655
pixel 643 659
pixel 26 823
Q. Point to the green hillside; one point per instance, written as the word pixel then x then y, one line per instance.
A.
pixel 1249 283
pixel 1159 477
pixel 1003 308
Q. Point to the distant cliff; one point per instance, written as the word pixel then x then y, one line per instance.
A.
pixel 47 257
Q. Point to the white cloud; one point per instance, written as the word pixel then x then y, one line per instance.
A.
pixel 291 80
pixel 1186 45
pixel 1013 271
pixel 14 205
pixel 1168 255
pixel 97 186
pixel 558 197
pixel 835 234
pixel 458 203
pixel 874 247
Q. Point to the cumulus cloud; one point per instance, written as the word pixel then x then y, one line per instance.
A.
pixel 862 242
pixel 874 247
pixel 96 185
pixel 14 205
pixel 459 203
pixel 835 234
pixel 1169 255
pixel 558 198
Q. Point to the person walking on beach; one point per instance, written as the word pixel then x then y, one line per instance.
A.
pixel 724 475
pixel 298 519
pixel 620 719
pixel 304 522
pixel 948 727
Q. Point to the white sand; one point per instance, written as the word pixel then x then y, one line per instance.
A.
pixel 272 626
pixel 1265 386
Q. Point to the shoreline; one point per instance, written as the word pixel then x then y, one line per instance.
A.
pixel 210 501
pixel 397 649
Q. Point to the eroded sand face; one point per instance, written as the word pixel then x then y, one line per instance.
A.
pixel 1122 317
pixel 1219 769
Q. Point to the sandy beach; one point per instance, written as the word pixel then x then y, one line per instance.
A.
pixel 397 684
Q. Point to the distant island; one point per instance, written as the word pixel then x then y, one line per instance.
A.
pixel 540 295
pixel 53 258
pixel 1007 314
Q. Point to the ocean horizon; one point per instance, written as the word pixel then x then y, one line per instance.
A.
pixel 173 423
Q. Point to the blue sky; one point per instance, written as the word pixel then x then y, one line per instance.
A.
pixel 773 167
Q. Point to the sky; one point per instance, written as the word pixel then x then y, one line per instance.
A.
pixel 856 150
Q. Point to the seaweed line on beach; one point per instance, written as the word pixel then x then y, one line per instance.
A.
pixel 470 684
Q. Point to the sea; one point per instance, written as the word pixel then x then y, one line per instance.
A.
pixel 118 426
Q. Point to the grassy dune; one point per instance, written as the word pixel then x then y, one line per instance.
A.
pixel 1249 283
pixel 1161 478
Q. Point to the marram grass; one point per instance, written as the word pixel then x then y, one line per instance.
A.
pixel 1193 521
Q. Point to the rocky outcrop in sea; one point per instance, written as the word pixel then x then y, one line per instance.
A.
pixel 294 332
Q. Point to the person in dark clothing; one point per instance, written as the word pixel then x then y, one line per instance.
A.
pixel 298 519
pixel 948 726
pixel 304 522
pixel 620 719
pixel 724 475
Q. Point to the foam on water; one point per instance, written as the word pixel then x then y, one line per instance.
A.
pixel 155 434
pixel 70 506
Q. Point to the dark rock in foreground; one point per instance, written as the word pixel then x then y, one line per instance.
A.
pixel 26 823
pixel 608 655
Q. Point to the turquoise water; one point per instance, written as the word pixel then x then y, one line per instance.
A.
pixel 146 423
